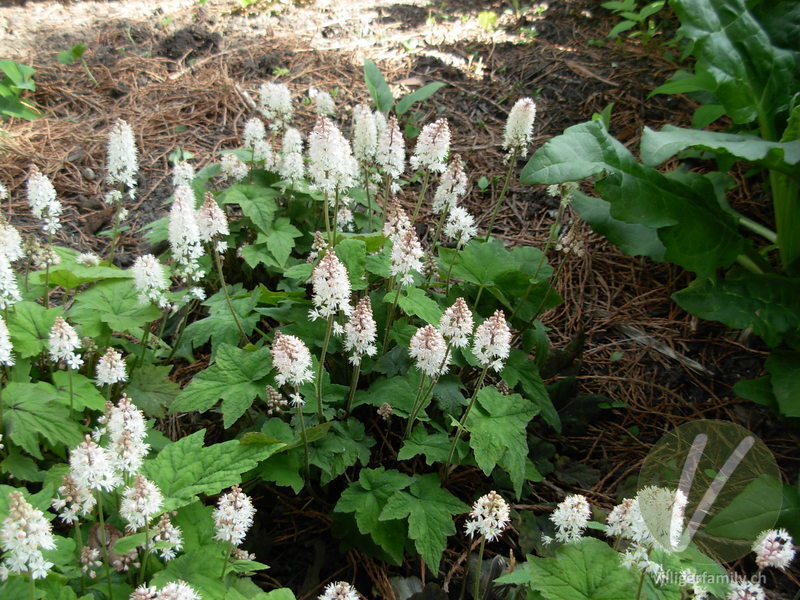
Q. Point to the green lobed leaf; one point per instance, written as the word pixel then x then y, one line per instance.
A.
pixel 85 393
pixel 378 88
pixel 345 445
pixel 114 304
pixel 286 466
pixel 430 511
pixel 520 370
pixel 587 570
pixel 367 497
pixel 414 301
pixel 747 515
pixel 279 239
pixel 697 232
pixel 497 428
pixel 151 389
pixel 200 568
pixel 31 414
pixel 236 378
pixel 257 202
pixel 185 469
pixel 435 447
pixel 401 390
pixel 29 327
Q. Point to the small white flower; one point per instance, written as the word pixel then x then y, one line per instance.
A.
pixel 291 359
pixel 331 286
pixel 774 548
pixel 365 134
pixel 88 259
pixel 167 533
pixel 24 534
pixel 150 281
pixel 519 126
pixel 743 589
pixel 178 590
pixel 233 516
pixel 433 146
pixel 212 223
pixel 457 323
pixel 331 166
pixel 340 590
pixel 571 517
pixel 405 257
pixel 73 500
pixel 429 349
pixel 452 187
pixel 122 163
pixel 323 102
pixel 184 234
pixel 43 202
pixel 182 173
pixel 460 226
pixel 6 349
pixel 125 426
pixel 110 368
pixel 360 332
pixel 140 503
pixel 9 290
pixel 491 344
pixel 10 241
pixel 275 103
pixel 290 165
pixel 63 342
pixel 254 132
pixel 489 517
pixel 234 167
pixel 92 467
pixel 391 152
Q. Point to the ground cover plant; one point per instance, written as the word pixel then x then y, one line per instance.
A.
pixel 341 350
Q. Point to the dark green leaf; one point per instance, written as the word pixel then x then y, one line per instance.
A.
pixel 784 368
pixel 415 301
pixel 29 326
pixel 433 446
pixel 497 428
pixel 257 203
pixel 367 498
pixel 377 86
pixel 768 304
pixel 84 392
pixel 279 238
pixel 353 254
pixel 419 95
pixel 430 511
pixel 697 233
pixel 753 510
pixel 151 389
pixel 346 444
pixel 31 413
pixel 236 378
pixel 186 469
pixel 114 304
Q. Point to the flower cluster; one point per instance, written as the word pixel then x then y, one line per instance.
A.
pixel 571 517
pixel 360 332
pixel 23 536
pixel 492 341
pixel 275 103
pixel 331 167
pixel 430 350
pixel 122 164
pixel 291 359
pixel 110 368
pixel 433 146
pixel 339 590
pixel 456 324
pixel 175 590
pixel 43 202
pixel 489 517
pixel 519 127
pixel 63 343
pixel 184 234
pixel 331 286
pixel 150 281
pixel 6 349
pixel 233 516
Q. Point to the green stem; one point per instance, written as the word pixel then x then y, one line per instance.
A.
pixel 79 546
pixel 421 197
pixel 32 587
pixel 365 169
pixel 412 415
pixel 450 269
pixel 786 203
pixel 749 264
pixel 353 386
pixel 143 569
pixel 71 395
pixel 758 228
pixel 511 164
pixel 143 342
pixel 322 367
pixel 420 402
pixel 641 585
pixel 47 275
pixel 332 241
pixel 304 437
pixel 104 543
pixel 478 298
pixel 327 220
pixel 390 318
pixel 462 422
pixel 477 588
pixel 181 326
pixel 218 264
pixel 225 563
